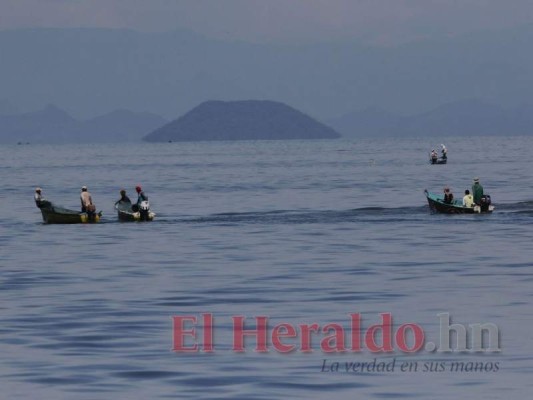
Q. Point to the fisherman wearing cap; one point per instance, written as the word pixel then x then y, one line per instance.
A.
pixel 444 152
pixel 86 201
pixel 38 197
pixel 477 191
pixel 141 196
pixel 123 198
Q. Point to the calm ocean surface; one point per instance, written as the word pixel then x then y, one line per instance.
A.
pixel 300 231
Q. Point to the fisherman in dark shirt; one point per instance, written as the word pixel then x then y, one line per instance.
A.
pixel 123 198
pixel 448 196
pixel 444 152
pixel 434 156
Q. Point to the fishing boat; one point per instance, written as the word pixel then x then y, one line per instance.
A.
pixel 434 157
pixel 132 212
pixel 437 204
pixel 58 215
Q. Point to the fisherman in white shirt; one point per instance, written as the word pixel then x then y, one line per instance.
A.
pixel 86 200
pixel 38 197
pixel 468 199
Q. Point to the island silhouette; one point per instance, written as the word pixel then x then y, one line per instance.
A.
pixel 242 120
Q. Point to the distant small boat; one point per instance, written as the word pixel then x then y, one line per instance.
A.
pixel 58 215
pixel 437 204
pixel 438 161
pixel 130 212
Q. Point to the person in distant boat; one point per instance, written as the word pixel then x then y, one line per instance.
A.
pixel 87 205
pixel 434 156
pixel 468 199
pixel 140 195
pixel 123 198
pixel 477 191
pixel 444 152
pixel 38 197
pixel 448 196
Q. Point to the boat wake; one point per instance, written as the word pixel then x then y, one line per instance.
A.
pixel 368 214
pixel 365 214
pixel 521 206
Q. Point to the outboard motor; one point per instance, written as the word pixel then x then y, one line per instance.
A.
pixel 485 202
pixel 144 210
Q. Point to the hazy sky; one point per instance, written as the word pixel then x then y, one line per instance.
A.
pixel 282 21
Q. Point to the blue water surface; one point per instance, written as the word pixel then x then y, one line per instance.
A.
pixel 299 231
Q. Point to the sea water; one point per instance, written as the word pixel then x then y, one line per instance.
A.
pixel 301 232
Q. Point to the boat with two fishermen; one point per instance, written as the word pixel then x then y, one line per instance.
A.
pixel 434 157
pixel 129 212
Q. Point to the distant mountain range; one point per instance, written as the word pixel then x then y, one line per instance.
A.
pixel 262 120
pixel 468 117
pixel 242 120
pixel 54 125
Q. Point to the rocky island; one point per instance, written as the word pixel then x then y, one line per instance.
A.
pixel 242 120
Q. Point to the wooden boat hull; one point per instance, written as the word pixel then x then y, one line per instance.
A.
pixel 58 215
pixel 439 161
pixel 126 214
pixel 437 204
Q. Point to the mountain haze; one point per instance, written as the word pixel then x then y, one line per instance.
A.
pixel 91 71
pixel 54 125
pixel 6 108
pixel 467 117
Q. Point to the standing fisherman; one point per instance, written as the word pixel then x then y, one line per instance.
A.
pixel 477 191
pixel 87 205
pixel 38 197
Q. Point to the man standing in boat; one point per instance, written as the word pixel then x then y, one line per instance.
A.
pixel 444 152
pixel 87 205
pixel 477 191
pixel 38 197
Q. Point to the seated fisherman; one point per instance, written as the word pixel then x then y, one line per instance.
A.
pixel 448 195
pixel 123 198
pixel 434 156
pixel 468 199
